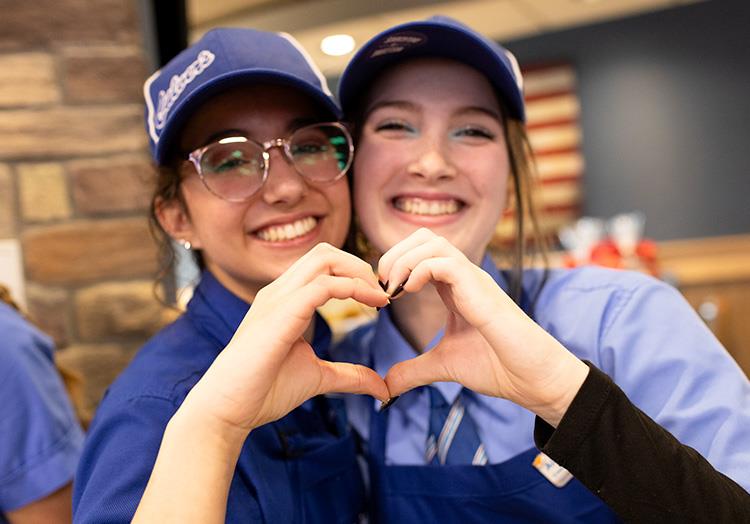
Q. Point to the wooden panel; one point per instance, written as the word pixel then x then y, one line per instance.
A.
pixel 714 275
pixel 726 310
pixel 706 260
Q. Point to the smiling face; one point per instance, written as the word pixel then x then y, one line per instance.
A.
pixel 431 153
pixel 248 244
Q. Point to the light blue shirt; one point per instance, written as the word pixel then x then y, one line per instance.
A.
pixel 40 439
pixel 638 330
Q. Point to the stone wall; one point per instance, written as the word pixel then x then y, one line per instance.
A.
pixel 75 179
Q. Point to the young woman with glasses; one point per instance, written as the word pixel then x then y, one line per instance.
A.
pixel 252 164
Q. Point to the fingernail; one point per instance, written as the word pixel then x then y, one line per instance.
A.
pixel 399 288
pixel 384 286
pixel 388 303
pixel 388 403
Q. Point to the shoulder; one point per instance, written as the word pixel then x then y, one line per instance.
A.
pixel 585 306
pixel 166 367
pixel 123 439
pixel 599 290
pixel 354 346
pixel 22 341
pixel 592 279
pixel 27 370
pixel 41 440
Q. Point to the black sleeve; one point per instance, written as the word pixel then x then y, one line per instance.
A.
pixel 633 464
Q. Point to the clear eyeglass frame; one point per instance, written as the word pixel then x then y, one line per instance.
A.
pixel 195 157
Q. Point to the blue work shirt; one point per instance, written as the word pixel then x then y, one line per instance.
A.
pixel 638 330
pixel 40 439
pixel 300 468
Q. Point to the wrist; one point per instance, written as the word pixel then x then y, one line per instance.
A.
pixel 193 420
pixel 563 390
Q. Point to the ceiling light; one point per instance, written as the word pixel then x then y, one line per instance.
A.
pixel 337 45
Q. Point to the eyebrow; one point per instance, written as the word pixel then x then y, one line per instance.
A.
pixel 398 104
pixel 411 106
pixel 480 109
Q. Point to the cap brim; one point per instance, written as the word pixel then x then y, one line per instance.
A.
pixel 439 40
pixel 187 106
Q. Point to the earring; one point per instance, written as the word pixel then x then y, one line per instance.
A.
pixel 186 244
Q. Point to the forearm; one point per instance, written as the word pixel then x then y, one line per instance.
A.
pixel 193 472
pixel 637 467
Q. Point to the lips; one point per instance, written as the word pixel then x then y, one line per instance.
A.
pixel 287 231
pixel 428 206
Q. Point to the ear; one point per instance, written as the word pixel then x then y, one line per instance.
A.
pixel 175 220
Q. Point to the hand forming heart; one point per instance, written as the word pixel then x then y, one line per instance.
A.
pixel 489 345
pixel 268 368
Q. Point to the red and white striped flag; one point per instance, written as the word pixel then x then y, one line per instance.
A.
pixel 552 114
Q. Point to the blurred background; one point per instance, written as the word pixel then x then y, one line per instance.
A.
pixel 634 106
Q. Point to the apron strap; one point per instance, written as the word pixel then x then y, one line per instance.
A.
pixel 378 432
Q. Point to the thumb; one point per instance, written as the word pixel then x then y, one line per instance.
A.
pixel 418 371
pixel 341 377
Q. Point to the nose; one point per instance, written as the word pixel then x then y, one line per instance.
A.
pixel 284 186
pixel 432 163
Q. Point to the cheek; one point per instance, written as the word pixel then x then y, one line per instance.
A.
pixel 364 176
pixel 365 198
pixel 209 214
pixel 490 178
pixel 340 199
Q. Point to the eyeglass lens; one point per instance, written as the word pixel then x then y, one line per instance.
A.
pixel 235 169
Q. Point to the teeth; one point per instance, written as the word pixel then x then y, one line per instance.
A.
pixel 419 206
pixel 288 231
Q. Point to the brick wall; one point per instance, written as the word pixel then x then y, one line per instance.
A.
pixel 75 179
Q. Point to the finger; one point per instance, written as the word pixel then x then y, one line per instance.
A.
pixel 325 259
pixel 326 287
pixel 436 246
pixel 446 269
pixel 469 290
pixel 419 371
pixel 425 271
pixel 340 377
pixel 286 318
pixel 420 236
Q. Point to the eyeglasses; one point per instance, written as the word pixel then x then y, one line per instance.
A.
pixel 235 168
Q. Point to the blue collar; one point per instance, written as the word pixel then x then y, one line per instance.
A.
pixel 389 346
pixel 218 312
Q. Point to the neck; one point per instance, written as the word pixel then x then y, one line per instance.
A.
pixel 245 290
pixel 247 293
pixel 419 317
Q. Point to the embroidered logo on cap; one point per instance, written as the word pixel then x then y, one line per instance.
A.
pixel 398 42
pixel 177 85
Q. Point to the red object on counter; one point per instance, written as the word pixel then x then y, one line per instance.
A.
pixel 606 254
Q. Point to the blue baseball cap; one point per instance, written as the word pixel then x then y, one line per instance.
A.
pixel 224 58
pixel 440 37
